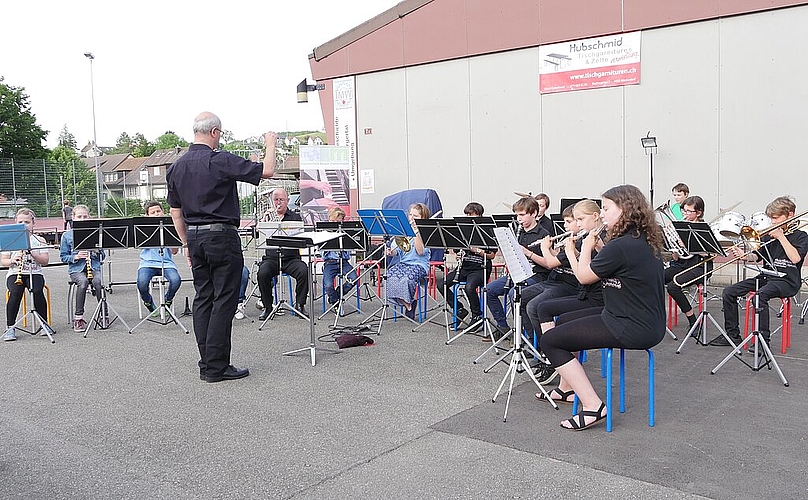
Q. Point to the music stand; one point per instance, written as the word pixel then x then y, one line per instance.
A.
pixel 520 270
pixel 354 239
pixel 558 224
pixel 312 241
pixel 388 224
pixel 761 359
pixel 157 232
pixel 698 238
pixel 279 229
pixel 478 232
pixel 99 235
pixel 440 233
pixel 16 238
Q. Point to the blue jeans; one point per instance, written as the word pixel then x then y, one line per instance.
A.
pixel 332 269
pixel 496 289
pixel 144 276
pixel 245 280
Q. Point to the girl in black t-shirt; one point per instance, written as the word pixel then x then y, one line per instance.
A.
pixel 633 317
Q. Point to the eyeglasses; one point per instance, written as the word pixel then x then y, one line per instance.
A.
pixel 687 211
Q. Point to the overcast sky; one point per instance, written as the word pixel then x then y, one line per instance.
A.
pixel 159 63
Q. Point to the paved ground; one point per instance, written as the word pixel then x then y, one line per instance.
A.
pixel 125 416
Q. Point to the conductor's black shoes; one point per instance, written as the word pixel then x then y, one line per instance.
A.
pixel 230 373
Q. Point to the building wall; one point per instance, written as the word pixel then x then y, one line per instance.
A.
pixel 724 97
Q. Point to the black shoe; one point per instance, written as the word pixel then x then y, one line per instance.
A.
pixel 461 313
pixel 544 373
pixel 410 313
pixel 302 311
pixel 721 341
pixel 476 327
pixel 264 315
pixel 230 373
pixel 751 347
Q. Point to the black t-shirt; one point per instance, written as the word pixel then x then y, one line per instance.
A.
pixel 526 238
pixel 633 290
pixel 774 253
pixel 203 184
pixel 546 223
pixel 286 253
pixel 67 212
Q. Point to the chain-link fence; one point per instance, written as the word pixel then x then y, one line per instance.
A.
pixel 43 186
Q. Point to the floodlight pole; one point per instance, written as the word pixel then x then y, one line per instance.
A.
pixel 90 56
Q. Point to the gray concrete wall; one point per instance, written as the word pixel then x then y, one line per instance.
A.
pixel 725 98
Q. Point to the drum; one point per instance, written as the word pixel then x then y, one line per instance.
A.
pixel 760 221
pixel 722 240
pixel 730 224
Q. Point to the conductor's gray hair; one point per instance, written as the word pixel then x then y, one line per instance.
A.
pixel 206 122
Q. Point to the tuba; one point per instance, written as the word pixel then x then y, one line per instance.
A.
pixel 672 240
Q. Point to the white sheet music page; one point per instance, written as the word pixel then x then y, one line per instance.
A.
pixel 518 266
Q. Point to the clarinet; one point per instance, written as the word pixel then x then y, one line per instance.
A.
pixel 460 256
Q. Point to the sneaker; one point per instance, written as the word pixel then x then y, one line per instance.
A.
pixel 478 326
pixel 11 334
pixel 79 325
pixel 259 305
pixel 240 311
pixel 544 373
pixel 150 306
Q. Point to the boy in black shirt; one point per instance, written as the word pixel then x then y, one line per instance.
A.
pixel 784 256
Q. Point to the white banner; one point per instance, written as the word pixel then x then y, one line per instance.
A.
pixel 345 122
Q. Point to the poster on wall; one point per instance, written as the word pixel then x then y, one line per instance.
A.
pixel 323 181
pixel 345 122
pixel 593 63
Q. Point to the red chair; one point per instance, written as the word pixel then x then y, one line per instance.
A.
pixel 784 328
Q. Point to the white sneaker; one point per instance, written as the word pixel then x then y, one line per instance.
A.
pixel 240 311
pixel 11 334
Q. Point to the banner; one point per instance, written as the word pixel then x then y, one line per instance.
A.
pixel 345 122
pixel 593 63
pixel 323 181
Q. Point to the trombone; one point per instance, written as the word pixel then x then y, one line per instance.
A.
pixel 751 239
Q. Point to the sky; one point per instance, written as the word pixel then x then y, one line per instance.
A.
pixel 159 63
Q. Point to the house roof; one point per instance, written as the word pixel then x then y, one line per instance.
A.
pixel 130 164
pixel 107 163
pixel 164 156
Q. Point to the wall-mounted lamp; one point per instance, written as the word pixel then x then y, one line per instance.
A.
pixel 650 146
pixel 303 89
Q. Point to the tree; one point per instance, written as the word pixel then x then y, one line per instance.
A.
pixel 66 138
pixel 123 144
pixel 20 136
pixel 79 180
pixel 169 140
pixel 141 146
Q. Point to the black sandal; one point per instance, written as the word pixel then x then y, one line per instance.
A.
pixel 578 423
pixel 566 397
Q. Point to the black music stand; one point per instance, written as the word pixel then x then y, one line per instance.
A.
pixel 388 224
pixel 312 242
pixel 354 239
pixel 698 238
pixel 440 233
pixel 16 238
pixel 520 270
pixel 478 232
pixel 157 232
pixel 98 235
pixel 558 224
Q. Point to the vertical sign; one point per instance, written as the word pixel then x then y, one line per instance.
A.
pixel 345 122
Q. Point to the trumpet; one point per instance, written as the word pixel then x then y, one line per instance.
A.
pixel 750 238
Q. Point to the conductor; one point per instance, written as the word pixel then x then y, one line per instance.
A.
pixel 204 205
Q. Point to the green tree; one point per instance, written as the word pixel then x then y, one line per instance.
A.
pixel 141 146
pixel 66 138
pixel 20 136
pixel 169 140
pixel 123 144
pixel 79 180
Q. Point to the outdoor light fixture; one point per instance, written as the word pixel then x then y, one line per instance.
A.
pixel 90 56
pixel 650 146
pixel 303 89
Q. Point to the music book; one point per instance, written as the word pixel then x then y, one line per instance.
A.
pixel 518 266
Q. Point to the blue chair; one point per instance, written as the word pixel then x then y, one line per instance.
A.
pixel 607 357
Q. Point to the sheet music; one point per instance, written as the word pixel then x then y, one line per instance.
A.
pixel 518 266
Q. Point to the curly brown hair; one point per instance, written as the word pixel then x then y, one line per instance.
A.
pixel 637 216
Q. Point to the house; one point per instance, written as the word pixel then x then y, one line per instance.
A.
pixel 148 181
pixel 89 151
